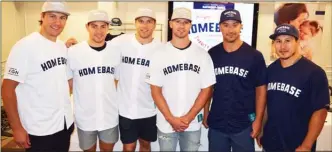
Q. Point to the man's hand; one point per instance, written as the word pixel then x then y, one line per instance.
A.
pixel 177 124
pixel 22 138
pixel 256 128
pixel 258 139
pixel 70 42
pixel 205 116
pixel 303 148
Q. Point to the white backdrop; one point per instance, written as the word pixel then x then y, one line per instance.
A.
pixel 205 21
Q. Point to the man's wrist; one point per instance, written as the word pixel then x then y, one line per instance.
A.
pixel 169 118
pixel 259 119
pixel 191 116
pixel 17 127
pixel 306 145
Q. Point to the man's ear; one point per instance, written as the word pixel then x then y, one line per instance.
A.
pixel 87 26
pixel 170 24
pixel 42 16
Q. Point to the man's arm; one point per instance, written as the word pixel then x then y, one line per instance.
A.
pixel 164 109
pixel 319 102
pixel 200 102
pixel 206 112
pixel 10 103
pixel 70 42
pixel 116 83
pixel 70 82
pixel 261 134
pixel 260 108
pixel 316 124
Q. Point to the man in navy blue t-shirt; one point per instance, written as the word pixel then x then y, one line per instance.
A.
pixel 239 97
pixel 297 96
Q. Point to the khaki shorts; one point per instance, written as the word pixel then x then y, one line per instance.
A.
pixel 89 138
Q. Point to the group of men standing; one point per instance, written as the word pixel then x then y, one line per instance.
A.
pixel 151 90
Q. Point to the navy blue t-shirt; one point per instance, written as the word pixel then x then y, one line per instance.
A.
pixel 294 93
pixel 238 74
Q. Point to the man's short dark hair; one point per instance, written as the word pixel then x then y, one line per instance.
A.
pixel 289 11
pixel 40 21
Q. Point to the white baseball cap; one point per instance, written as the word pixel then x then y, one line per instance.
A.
pixel 181 12
pixel 60 7
pixel 98 15
pixel 145 12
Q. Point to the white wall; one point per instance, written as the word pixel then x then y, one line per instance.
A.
pixel 11 28
pixel 126 11
pixel 264 29
pixel 75 26
pixel 21 18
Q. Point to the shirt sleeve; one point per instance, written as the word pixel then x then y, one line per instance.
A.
pixel 17 64
pixel 260 74
pixel 155 75
pixel 207 74
pixel 320 97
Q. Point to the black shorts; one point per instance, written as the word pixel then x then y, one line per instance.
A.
pixel 131 130
pixel 57 142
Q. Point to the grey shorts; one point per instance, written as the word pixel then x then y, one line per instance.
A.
pixel 89 138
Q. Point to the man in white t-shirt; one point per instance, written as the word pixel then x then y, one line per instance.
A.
pixel 137 112
pixel 35 88
pixel 181 76
pixel 92 68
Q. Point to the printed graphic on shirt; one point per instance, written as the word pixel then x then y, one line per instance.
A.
pixel 96 70
pixel 53 63
pixel 147 76
pixel 231 70
pixel 181 67
pixel 200 117
pixel 278 86
pixel 136 61
pixel 13 71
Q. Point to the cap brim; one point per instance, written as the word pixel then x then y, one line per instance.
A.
pixel 144 16
pixel 181 18
pixel 109 22
pixel 274 36
pixel 66 13
pixel 231 19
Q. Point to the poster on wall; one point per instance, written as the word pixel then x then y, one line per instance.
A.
pixel 205 30
pixel 308 18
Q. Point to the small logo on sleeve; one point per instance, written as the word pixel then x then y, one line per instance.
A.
pixel 147 76
pixel 252 117
pixel 13 71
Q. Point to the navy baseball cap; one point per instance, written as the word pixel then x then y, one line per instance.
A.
pixel 230 14
pixel 285 29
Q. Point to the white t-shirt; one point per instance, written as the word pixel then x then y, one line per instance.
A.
pixel 94 91
pixel 134 95
pixel 181 74
pixel 39 65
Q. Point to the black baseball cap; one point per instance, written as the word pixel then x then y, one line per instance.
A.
pixel 285 29
pixel 116 22
pixel 230 14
